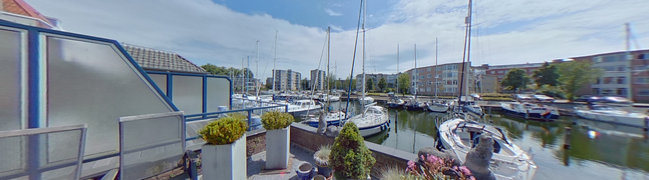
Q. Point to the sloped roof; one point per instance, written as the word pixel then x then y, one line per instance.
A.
pixel 20 7
pixel 152 59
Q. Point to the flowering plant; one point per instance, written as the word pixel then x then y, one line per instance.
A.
pixel 433 167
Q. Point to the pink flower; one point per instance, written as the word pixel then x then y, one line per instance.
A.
pixel 465 170
pixel 434 159
pixel 411 165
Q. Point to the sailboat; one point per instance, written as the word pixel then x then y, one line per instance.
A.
pixel 412 103
pixel 374 119
pixel 395 101
pixel 459 135
pixel 437 105
pixel 331 118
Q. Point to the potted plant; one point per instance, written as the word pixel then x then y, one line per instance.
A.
pixel 321 158
pixel 224 154
pixel 349 157
pixel 277 138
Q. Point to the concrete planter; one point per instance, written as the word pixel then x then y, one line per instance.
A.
pixel 226 161
pixel 277 148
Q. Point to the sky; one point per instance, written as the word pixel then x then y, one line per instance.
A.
pixel 226 32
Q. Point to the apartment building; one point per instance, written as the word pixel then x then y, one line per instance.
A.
pixel 317 80
pixel 287 80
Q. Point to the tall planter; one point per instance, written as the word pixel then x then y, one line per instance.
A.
pixel 227 161
pixel 277 148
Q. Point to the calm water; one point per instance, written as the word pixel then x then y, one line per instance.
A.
pixel 598 150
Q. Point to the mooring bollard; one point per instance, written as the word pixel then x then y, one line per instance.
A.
pixel 566 141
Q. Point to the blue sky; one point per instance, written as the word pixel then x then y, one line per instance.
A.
pixel 223 32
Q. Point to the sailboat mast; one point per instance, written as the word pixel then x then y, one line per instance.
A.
pixel 397 80
pixel 465 57
pixel 363 67
pixel 257 72
pixel 435 70
pixel 416 78
pixel 328 54
pixel 274 61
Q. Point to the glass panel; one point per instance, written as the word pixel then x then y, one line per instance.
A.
pixel 52 154
pixel 92 83
pixel 161 81
pixel 218 93
pixel 151 145
pixel 188 93
pixel 10 57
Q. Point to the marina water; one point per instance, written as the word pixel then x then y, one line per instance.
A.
pixel 597 150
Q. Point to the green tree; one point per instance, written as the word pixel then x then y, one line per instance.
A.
pixel 516 79
pixel 404 82
pixel 369 84
pixel 349 157
pixel 216 70
pixel 382 84
pixel 574 75
pixel 304 83
pixel 547 74
pixel 345 84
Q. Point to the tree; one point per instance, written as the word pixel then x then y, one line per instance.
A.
pixel 382 84
pixel 547 74
pixel 516 79
pixel 404 82
pixel 574 75
pixel 216 70
pixel 304 83
pixel 369 84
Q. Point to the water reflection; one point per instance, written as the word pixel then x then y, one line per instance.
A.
pixel 597 150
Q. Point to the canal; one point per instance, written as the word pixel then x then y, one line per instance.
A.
pixel 597 151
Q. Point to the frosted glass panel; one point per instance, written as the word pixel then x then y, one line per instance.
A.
pixel 188 93
pixel 46 153
pixel 218 93
pixel 92 83
pixel 10 57
pixel 151 144
pixel 161 81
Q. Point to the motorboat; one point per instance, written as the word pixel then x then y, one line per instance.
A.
pixel 366 100
pixel 508 161
pixel 303 107
pixel 413 105
pixel 472 107
pixel 612 115
pixel 373 120
pixel 530 111
pixel 395 102
pixel 438 106
pixel 331 118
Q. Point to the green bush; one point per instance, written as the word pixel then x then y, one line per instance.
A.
pixel 276 120
pixel 224 130
pixel 349 157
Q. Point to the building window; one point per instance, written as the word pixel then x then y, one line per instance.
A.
pixel 621 91
pixel 621 80
pixel 641 80
pixel 454 82
pixel 643 92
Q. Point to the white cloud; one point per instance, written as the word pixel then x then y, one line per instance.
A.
pixel 505 32
pixel 332 12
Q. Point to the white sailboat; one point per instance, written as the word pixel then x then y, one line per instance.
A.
pixel 437 105
pixel 412 103
pixel 374 119
pixel 330 117
pixel 459 135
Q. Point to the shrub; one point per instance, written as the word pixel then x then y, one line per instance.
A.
pixel 321 156
pixel 224 130
pixel 276 120
pixel 349 157
pixel 432 168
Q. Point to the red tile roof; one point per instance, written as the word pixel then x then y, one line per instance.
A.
pixel 22 8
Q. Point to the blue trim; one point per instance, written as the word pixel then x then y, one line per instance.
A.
pixel 33 89
pixel 205 95
pixel 170 86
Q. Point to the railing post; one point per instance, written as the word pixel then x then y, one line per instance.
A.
pixel 249 119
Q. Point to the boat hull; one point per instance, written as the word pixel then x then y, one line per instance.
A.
pixel 638 121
